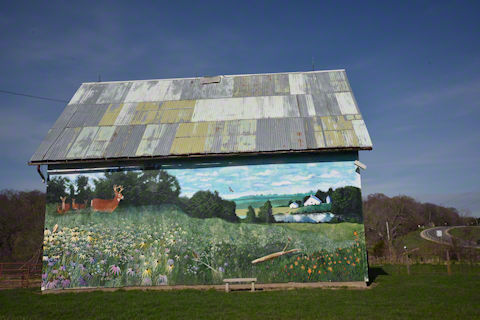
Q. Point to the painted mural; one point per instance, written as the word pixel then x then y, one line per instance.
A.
pixel 285 222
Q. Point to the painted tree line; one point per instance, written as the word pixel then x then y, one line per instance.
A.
pixel 346 204
pixel 151 187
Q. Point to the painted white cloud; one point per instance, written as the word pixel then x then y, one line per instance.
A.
pixel 265 173
pixel 332 174
pixel 281 183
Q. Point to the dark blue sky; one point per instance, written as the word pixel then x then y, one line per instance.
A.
pixel 414 68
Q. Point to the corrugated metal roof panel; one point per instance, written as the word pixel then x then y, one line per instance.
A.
pixel 62 145
pixel 295 128
pixel 88 115
pixel 192 89
pixel 362 133
pixel 346 102
pixel 146 112
pixel 336 123
pixel 326 104
pixel 88 93
pixel 111 114
pixel 100 142
pixel 66 115
pixel 242 113
pixel 49 140
pixel 125 141
pixel 81 144
pixel 154 90
pixel 114 92
pixel 308 125
pixel 165 141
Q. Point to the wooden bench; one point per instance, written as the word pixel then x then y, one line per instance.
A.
pixel 239 280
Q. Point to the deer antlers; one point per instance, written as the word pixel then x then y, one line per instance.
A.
pixel 117 189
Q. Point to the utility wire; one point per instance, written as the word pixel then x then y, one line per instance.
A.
pixel 31 96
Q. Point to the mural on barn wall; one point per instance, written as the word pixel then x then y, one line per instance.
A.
pixel 282 222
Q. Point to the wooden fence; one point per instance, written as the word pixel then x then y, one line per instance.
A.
pixel 20 274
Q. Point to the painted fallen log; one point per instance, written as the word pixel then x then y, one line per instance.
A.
pixel 274 255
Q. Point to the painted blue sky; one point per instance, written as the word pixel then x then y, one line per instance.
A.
pixel 268 179
pixel 414 67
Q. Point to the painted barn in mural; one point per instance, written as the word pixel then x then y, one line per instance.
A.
pixel 191 181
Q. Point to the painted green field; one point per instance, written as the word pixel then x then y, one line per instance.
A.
pixel 429 293
pixel 275 210
pixel 159 246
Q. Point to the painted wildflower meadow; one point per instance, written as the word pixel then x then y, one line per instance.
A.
pixel 201 225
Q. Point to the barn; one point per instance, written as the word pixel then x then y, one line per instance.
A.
pixel 188 181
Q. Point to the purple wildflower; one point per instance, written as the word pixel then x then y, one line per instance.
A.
pixel 54 271
pixel 63 268
pixel 115 269
pixel 130 272
pixel 170 262
pixel 221 269
pixel 44 276
pixel 65 283
pixel 82 281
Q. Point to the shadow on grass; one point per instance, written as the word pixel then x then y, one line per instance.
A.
pixel 374 272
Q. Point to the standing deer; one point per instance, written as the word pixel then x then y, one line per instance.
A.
pixel 108 205
pixel 78 206
pixel 64 207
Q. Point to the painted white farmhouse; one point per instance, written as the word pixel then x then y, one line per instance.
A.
pixel 294 205
pixel 312 201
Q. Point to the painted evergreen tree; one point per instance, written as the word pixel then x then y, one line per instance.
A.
pixel 251 217
pixel 265 214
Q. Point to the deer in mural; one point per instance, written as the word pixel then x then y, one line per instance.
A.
pixel 64 207
pixel 78 206
pixel 108 205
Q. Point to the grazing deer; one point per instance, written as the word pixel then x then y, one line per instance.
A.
pixel 108 205
pixel 64 207
pixel 78 206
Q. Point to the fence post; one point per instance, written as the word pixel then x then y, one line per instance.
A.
pixel 449 269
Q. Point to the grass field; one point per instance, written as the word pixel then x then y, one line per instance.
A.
pixel 467 233
pixel 427 294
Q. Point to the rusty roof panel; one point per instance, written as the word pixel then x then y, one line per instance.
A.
pixel 308 125
pixel 296 131
pixel 272 135
pixel 49 140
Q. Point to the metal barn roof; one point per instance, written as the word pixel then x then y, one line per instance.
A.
pixel 231 114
